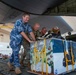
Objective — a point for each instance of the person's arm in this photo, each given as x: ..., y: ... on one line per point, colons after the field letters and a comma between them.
x: 33, y: 36
x: 30, y: 31
x: 20, y: 29
x: 25, y: 36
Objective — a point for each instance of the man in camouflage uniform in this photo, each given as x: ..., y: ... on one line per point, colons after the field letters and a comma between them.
x: 26, y: 45
x: 36, y: 31
x: 18, y: 32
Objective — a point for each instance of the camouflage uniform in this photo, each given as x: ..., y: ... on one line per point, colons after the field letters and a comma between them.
x: 26, y: 46
x: 37, y: 34
x: 16, y: 40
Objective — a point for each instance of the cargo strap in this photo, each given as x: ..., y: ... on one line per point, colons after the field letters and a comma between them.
x: 41, y: 54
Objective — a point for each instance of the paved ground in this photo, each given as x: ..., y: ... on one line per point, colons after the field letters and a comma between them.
x: 5, y: 71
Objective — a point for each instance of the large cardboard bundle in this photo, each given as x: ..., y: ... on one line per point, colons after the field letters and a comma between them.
x: 52, y: 56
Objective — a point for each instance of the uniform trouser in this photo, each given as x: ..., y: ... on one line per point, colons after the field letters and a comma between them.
x: 26, y: 47
x: 15, y: 56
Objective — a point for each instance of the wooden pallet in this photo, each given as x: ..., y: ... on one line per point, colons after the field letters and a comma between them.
x: 38, y: 73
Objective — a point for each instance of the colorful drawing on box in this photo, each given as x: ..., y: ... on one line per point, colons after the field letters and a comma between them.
x: 42, y: 59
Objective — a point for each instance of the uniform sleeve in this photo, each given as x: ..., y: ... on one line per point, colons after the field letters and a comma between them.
x: 19, y: 26
x: 38, y: 34
x: 29, y: 29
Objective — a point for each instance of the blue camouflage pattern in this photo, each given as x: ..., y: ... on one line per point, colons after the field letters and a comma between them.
x: 16, y: 40
x: 15, y: 57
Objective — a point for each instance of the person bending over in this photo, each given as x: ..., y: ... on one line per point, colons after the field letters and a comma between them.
x: 17, y: 34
